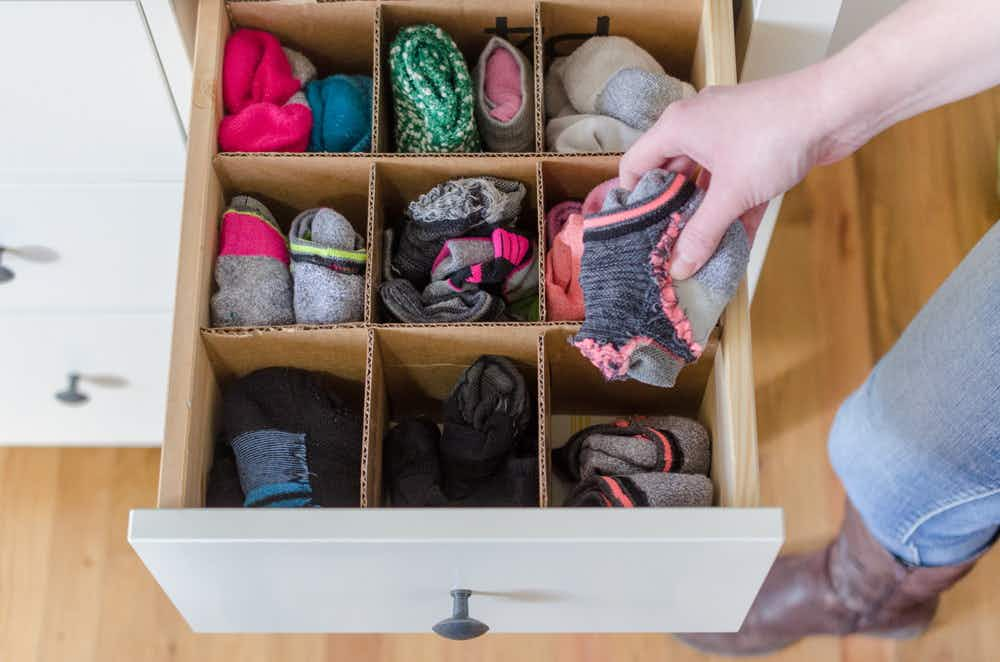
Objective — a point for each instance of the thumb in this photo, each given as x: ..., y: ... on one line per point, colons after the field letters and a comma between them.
x: 650, y: 151
x: 702, y: 234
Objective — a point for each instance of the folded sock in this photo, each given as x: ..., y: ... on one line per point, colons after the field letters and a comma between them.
x: 593, y: 63
x: 556, y: 218
x: 268, y: 127
x: 486, y: 413
x: 412, y: 465
x: 432, y: 93
x: 637, y: 323
x: 223, y: 489
x: 453, y: 209
x: 638, y: 97
x: 674, y: 445
x: 438, y: 303
x: 514, y: 484
x: 505, y: 259
x: 328, y: 267
x: 296, y: 443
x: 505, y: 108
x: 563, y: 293
x: 557, y: 103
x: 251, y: 270
x: 342, y: 114
x: 589, y: 133
x: 655, y: 490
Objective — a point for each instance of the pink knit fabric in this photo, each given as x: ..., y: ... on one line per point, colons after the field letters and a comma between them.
x: 563, y: 294
x: 254, y: 69
x: 248, y: 234
x: 595, y: 199
x: 502, y: 84
x: 266, y: 127
x: 556, y: 218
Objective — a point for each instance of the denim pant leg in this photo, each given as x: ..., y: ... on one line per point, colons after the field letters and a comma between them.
x: 918, y: 445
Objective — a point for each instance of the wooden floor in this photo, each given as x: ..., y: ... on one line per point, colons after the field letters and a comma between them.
x: 859, y: 247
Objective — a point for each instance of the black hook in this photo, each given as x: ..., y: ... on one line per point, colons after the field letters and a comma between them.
x: 602, y: 29
x: 503, y: 30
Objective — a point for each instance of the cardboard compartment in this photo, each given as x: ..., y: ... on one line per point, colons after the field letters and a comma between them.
x: 414, y: 368
x: 307, y: 27
x: 290, y: 186
x: 341, y: 355
x: 467, y: 22
x: 399, y: 181
x: 569, y: 178
x: 670, y: 30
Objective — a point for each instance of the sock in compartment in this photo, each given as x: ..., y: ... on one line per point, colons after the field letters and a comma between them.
x: 515, y: 484
x: 223, y: 489
x: 251, y: 270
x: 412, y: 464
x: 639, y: 324
x: 296, y: 443
x: 505, y: 259
x: 563, y: 293
x: 638, y: 97
x: 656, y: 490
x: 487, y: 412
x: 438, y: 303
x: 505, y: 101
x: 432, y: 93
x: 328, y: 266
x: 458, y: 207
x: 588, y: 69
x: 661, y: 445
x: 342, y: 113
x: 583, y: 132
x: 556, y: 217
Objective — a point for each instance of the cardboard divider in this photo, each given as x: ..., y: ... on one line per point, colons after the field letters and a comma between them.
x: 667, y: 29
x: 575, y: 395
x: 399, y: 181
x: 307, y: 28
x: 414, y: 368
x: 569, y: 177
x: 467, y: 23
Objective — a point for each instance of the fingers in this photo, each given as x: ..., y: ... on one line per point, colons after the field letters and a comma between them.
x: 702, y: 234
x: 651, y: 150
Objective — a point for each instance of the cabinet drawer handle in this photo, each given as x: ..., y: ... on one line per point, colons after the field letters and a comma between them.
x: 31, y: 253
x: 460, y: 626
x: 72, y: 395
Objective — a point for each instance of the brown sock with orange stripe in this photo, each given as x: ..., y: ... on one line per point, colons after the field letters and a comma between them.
x: 656, y: 490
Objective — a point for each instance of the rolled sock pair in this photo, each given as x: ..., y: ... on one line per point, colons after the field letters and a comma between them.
x: 438, y: 303
x: 589, y: 133
x: 432, y: 93
x: 563, y: 294
x: 505, y: 103
x: 505, y: 259
x: 639, y: 324
x: 262, y: 93
x: 412, y: 464
x: 556, y: 218
x: 342, y: 113
x: 452, y: 209
x: 295, y: 441
x: 328, y: 267
x: 664, y: 444
x: 648, y: 490
x: 251, y: 270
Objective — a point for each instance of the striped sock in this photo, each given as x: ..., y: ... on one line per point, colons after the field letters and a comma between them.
x: 273, y: 469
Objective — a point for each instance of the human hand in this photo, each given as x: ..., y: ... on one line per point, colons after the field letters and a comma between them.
x: 753, y: 142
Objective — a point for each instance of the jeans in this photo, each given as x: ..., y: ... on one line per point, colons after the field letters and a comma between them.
x: 917, y: 447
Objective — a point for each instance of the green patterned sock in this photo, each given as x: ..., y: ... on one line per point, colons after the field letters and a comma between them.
x: 432, y: 93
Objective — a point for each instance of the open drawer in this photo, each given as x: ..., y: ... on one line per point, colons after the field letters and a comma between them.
x: 376, y: 568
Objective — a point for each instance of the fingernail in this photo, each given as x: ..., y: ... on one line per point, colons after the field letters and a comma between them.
x: 681, y: 268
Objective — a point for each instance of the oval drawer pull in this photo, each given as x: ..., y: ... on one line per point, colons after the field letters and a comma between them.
x: 460, y: 626
x: 39, y: 254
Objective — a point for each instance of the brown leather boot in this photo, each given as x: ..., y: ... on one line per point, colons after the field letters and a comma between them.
x: 852, y: 586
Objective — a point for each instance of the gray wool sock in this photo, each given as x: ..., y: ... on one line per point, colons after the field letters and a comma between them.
x: 648, y: 490
x: 251, y: 270
x: 504, y: 263
x: 453, y: 209
x: 638, y: 97
x: 303, y: 70
x: 518, y: 133
x: 438, y: 303
x: 328, y: 267
x: 691, y: 437
x: 638, y: 324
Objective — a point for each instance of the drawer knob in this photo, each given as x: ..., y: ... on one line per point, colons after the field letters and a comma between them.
x: 30, y: 253
x: 460, y: 626
x: 72, y: 395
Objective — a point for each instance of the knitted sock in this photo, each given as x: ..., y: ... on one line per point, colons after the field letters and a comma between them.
x: 588, y: 69
x: 505, y: 101
x: 637, y: 324
x: 453, y: 209
x: 412, y: 466
x: 255, y: 288
x: 625, y: 449
x: 296, y: 443
x: 438, y: 303
x: 563, y: 294
x: 557, y: 103
x: 556, y: 218
x: 589, y: 133
x: 657, y: 490
x: 267, y: 127
x: 328, y: 267
x: 515, y: 484
x: 303, y: 70
x: 255, y: 69
x: 342, y: 114
x: 432, y: 93
x: 638, y: 97
x: 223, y: 489
x: 504, y: 259
x: 484, y: 416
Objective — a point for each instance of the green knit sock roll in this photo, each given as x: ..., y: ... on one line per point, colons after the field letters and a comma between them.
x: 432, y: 93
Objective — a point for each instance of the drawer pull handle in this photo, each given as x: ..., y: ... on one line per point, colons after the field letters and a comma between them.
x: 72, y: 395
x: 460, y: 626
x: 30, y: 253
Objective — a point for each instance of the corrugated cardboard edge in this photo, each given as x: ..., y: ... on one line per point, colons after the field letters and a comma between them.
x: 375, y: 249
x: 543, y: 245
x: 539, y: 66
x: 543, y: 413
x: 367, y: 426
x: 377, y: 119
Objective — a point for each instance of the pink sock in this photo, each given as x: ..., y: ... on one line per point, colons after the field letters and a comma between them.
x: 563, y: 294
x: 556, y: 218
x: 267, y: 127
x: 503, y: 84
x: 254, y: 69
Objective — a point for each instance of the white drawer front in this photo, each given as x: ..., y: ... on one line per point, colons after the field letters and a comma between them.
x: 530, y: 570
x: 123, y: 361
x: 112, y: 247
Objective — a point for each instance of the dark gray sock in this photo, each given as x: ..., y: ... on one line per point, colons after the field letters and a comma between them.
x: 649, y: 490
x: 438, y: 303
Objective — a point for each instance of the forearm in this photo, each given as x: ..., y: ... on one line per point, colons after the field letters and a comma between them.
x: 925, y: 54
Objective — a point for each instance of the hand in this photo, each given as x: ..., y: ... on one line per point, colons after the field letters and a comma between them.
x: 753, y: 142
